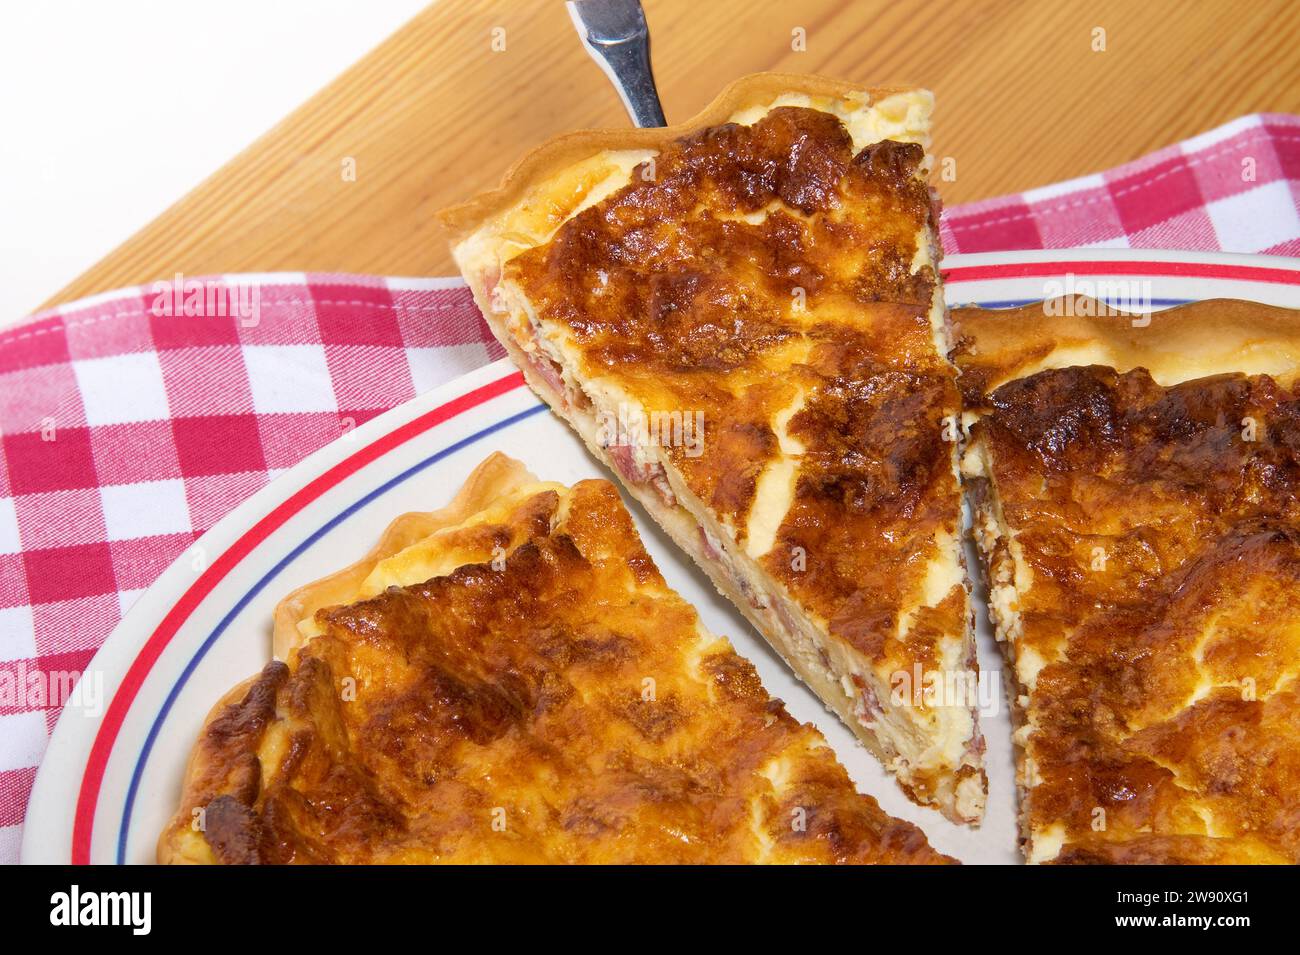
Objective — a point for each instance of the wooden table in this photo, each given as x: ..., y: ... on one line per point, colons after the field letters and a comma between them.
x: 434, y: 114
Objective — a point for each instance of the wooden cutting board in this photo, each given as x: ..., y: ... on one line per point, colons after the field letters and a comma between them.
x: 436, y: 113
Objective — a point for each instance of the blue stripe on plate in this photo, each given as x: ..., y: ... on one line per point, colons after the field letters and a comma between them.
x: 1017, y: 302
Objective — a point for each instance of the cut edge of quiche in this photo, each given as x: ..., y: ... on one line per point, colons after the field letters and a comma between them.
x: 1172, y: 741
x: 586, y: 767
x: 935, y: 751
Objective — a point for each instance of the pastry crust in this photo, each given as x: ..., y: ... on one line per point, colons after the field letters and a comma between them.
x: 557, y: 155
x: 1135, y: 492
x: 1176, y: 344
x: 769, y: 271
x: 180, y: 843
x: 546, y: 698
x: 497, y: 477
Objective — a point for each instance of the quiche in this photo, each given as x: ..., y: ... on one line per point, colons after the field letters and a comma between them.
x: 742, y: 318
x: 510, y: 680
x: 1135, y: 481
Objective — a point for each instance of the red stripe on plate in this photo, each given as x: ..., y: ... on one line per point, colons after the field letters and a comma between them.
x: 1198, y: 270
x: 92, y: 779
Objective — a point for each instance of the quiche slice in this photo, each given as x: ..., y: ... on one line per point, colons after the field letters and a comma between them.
x: 511, y: 681
x: 1136, y: 497
x: 742, y: 317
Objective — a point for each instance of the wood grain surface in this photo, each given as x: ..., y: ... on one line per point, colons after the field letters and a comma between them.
x: 435, y: 114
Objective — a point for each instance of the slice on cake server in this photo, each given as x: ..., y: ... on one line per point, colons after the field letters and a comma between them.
x: 742, y: 317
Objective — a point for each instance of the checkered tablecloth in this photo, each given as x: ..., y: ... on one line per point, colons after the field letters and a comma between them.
x: 130, y: 423
x: 1233, y: 189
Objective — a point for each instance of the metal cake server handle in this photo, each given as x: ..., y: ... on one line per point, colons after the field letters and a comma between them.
x: 615, y: 34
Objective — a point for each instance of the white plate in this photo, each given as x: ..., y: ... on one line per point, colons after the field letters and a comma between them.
x: 111, y: 779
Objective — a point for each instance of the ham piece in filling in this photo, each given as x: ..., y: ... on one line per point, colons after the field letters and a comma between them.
x: 641, y: 473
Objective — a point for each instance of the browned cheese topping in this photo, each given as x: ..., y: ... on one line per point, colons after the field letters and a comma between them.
x: 762, y: 276
x: 1161, y: 527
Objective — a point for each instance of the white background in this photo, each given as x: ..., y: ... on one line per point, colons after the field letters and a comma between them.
x: 111, y: 111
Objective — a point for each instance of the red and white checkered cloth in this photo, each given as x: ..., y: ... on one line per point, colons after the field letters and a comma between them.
x: 125, y: 434
x: 1233, y: 189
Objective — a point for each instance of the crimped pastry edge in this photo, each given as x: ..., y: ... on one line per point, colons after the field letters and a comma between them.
x: 554, y: 155
x: 495, y: 477
x: 1212, y: 336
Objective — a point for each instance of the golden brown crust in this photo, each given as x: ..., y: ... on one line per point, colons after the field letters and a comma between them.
x: 205, y: 770
x: 994, y: 346
x: 494, y: 478
x: 1153, y: 626
x: 556, y: 154
x: 562, y: 705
